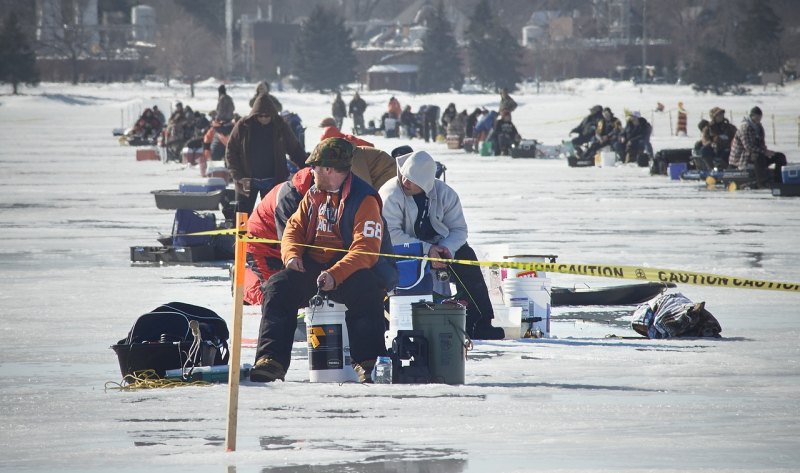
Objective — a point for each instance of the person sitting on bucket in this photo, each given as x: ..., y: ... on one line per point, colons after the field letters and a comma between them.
x: 586, y: 129
x: 340, y: 212
x: 717, y: 138
x: 607, y: 133
x: 268, y: 219
x: 635, y: 138
x: 420, y: 208
x: 749, y: 150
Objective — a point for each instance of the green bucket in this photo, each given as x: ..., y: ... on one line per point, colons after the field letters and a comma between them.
x: 444, y: 327
x: 486, y: 148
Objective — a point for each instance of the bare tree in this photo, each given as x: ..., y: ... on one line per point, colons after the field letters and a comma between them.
x: 72, y: 40
x: 186, y: 49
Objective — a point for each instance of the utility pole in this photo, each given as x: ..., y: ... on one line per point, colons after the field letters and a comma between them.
x: 228, y: 38
x: 644, y: 40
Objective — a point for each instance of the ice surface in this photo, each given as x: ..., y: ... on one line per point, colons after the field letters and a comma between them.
x: 73, y: 201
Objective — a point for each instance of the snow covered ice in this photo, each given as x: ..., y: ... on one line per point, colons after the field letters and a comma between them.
x: 73, y: 201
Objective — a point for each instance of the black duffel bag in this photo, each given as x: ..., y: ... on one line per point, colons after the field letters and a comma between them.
x: 162, y: 340
x: 665, y: 157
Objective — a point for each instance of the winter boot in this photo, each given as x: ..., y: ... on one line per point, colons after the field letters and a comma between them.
x: 364, y: 371
x: 481, y: 329
x: 487, y: 332
x: 267, y: 370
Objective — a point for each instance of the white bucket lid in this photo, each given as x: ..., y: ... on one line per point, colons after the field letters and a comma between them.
x: 410, y: 299
x: 529, y: 258
x: 208, y: 181
x: 526, y: 282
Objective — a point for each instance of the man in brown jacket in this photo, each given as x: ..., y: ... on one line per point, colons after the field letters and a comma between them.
x: 256, y: 153
x: 717, y: 138
x: 373, y: 166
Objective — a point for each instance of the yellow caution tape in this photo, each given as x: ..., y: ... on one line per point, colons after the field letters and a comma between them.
x: 639, y: 273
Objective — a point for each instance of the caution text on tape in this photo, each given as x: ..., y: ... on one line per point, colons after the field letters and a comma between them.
x: 640, y: 273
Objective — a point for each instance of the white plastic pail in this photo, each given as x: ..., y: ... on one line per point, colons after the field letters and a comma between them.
x: 400, y: 314
x: 533, y: 293
x: 516, y: 273
x: 605, y: 159
x: 328, y: 344
x: 509, y: 319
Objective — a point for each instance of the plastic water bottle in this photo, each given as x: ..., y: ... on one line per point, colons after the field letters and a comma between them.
x: 383, y: 370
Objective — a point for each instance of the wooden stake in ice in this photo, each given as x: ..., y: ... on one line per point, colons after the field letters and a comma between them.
x: 236, y: 335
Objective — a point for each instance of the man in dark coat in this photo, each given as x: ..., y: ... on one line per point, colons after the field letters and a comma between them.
x: 586, y: 128
x: 472, y: 120
x: 256, y: 152
x: 504, y: 134
x: 635, y: 138
x: 225, y: 106
x: 338, y: 110
x: 357, y: 108
x: 430, y: 118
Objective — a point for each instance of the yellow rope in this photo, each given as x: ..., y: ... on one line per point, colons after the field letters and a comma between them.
x: 148, y: 379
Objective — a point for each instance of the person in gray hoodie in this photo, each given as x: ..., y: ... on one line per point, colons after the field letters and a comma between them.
x: 418, y: 207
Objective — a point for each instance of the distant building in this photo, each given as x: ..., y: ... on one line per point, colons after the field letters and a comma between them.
x: 393, y: 76
x: 266, y: 53
x: 143, y: 20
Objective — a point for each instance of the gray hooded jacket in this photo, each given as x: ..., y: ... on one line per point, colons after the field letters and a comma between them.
x: 400, y: 210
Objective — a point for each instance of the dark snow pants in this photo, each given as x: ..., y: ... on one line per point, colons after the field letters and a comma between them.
x: 246, y: 203
x: 762, y: 172
x: 471, y: 287
x: 288, y: 290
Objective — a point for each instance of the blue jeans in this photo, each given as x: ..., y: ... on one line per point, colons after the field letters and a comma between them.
x: 260, y: 186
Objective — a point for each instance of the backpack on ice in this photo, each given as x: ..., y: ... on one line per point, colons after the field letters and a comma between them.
x: 674, y: 315
x: 162, y: 340
x: 189, y: 221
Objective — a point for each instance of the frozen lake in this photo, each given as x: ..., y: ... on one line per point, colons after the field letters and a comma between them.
x: 73, y: 201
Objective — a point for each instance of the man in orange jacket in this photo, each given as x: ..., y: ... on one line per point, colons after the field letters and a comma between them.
x: 340, y: 211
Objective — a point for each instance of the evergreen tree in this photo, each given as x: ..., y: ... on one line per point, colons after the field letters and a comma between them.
x: 714, y: 71
x: 440, y: 66
x: 494, y: 53
x: 758, y: 39
x: 324, y: 57
x: 17, y: 59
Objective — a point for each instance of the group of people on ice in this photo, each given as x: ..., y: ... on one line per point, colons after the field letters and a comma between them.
x: 430, y: 123
x: 601, y: 128
x: 722, y: 145
x: 344, y: 195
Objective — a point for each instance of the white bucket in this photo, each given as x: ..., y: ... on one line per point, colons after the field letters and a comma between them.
x: 532, y: 295
x: 605, y: 159
x: 400, y: 314
x: 328, y: 344
x: 509, y: 319
x: 516, y: 273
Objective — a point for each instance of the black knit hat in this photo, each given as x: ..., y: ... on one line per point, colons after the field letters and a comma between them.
x: 756, y: 111
x: 401, y: 150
